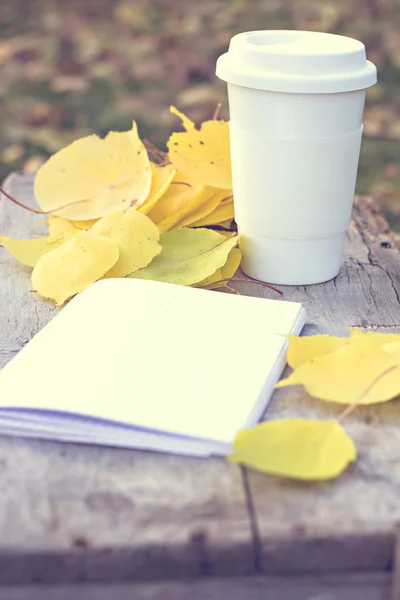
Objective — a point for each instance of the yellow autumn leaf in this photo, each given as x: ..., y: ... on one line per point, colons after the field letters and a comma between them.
x: 375, y: 336
x: 359, y: 372
x: 27, y: 251
x: 232, y: 264
x: 136, y: 236
x: 223, y: 212
x: 188, y: 256
x: 207, y: 206
x: 307, y: 348
x: 213, y: 281
x: 203, y: 155
x: 227, y: 233
x: 61, y: 229
x: 179, y: 199
x: 393, y: 348
x: 75, y: 265
x: 227, y: 271
x: 95, y: 176
x: 297, y: 448
x: 84, y: 224
x: 161, y: 179
x: 229, y: 226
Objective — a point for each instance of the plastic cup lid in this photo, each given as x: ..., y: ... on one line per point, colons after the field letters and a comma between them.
x: 297, y: 62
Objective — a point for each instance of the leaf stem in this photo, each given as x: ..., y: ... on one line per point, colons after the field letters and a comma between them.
x: 48, y: 212
x: 231, y: 289
x: 349, y: 409
x: 241, y: 279
x: 217, y: 111
x: 154, y: 151
x: 34, y: 210
x: 181, y: 183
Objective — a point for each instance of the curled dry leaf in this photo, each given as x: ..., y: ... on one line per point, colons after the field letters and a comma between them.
x: 296, y: 448
x: 106, y: 187
x: 208, y: 201
x: 161, y: 179
x: 227, y: 271
x: 179, y: 199
x: 223, y: 212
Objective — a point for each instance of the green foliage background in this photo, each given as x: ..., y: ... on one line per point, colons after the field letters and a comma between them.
x: 69, y: 67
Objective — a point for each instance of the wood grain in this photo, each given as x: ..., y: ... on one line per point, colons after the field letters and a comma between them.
x: 347, y: 524
x: 76, y: 514
x: 370, y: 586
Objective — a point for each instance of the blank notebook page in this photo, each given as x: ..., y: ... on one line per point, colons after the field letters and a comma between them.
x: 157, y: 356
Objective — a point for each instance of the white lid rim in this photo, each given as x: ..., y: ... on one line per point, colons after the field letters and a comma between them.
x: 300, y: 84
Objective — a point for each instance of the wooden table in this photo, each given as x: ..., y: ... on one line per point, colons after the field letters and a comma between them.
x: 97, y: 523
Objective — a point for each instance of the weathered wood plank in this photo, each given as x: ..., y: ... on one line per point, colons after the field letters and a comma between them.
x: 21, y: 316
x: 395, y: 595
x: 370, y: 586
x: 76, y: 513
x: 349, y: 523
x: 366, y: 292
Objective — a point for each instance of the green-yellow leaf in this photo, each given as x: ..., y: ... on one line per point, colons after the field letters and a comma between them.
x: 188, y: 256
x: 296, y: 448
x: 227, y: 271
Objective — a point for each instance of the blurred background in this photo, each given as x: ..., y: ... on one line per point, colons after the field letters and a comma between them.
x: 77, y: 66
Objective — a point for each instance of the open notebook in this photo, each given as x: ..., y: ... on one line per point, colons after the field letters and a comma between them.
x: 144, y: 364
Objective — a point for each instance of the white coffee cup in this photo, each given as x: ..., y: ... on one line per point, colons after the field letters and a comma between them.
x: 296, y: 100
